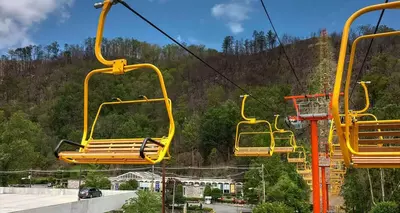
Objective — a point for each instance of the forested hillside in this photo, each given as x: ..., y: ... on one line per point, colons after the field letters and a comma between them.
x: 41, y: 92
x: 43, y: 85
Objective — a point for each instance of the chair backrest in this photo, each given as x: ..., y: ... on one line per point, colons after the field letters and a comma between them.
x: 267, y: 130
x: 344, y: 135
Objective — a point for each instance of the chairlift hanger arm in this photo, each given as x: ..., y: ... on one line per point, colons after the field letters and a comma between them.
x: 364, y: 86
x: 330, y: 137
x: 276, y: 124
x: 242, y: 109
x: 279, y: 129
x: 118, y: 64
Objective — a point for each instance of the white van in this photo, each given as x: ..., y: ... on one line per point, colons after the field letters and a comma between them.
x: 207, y: 199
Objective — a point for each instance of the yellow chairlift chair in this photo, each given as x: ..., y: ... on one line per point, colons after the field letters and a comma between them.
x: 149, y: 150
x: 243, y: 151
x: 298, y: 156
x: 285, y: 141
x: 333, y: 141
x: 307, y: 176
x: 354, y: 132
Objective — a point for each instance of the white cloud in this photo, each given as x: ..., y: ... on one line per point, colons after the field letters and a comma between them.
x: 235, y: 27
x: 179, y: 38
x: 189, y: 40
x: 233, y: 13
x: 193, y: 40
x: 19, y: 17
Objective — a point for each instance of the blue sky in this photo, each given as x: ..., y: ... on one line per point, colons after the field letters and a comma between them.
x: 206, y: 22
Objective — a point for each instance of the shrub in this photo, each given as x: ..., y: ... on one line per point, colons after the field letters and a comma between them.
x: 129, y: 185
x: 385, y: 207
x: 146, y: 202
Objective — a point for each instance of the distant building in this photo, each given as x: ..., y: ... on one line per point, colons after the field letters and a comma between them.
x: 74, y: 184
x: 192, y: 187
x: 146, y: 180
x: 193, y: 191
x: 195, y: 187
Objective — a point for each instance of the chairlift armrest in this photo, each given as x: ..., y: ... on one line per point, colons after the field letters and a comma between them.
x: 57, y: 149
x: 144, y: 145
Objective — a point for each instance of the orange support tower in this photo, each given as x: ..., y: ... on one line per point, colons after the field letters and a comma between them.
x: 313, y: 108
x: 325, y: 195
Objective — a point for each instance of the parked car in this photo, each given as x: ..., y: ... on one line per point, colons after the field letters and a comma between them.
x: 239, y: 201
x: 89, y: 193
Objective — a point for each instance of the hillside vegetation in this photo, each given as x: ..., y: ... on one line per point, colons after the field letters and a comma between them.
x: 41, y: 94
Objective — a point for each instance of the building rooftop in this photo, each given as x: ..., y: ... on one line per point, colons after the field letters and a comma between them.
x: 146, y: 176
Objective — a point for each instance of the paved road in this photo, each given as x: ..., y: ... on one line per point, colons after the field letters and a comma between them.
x: 226, y: 208
x: 19, y: 202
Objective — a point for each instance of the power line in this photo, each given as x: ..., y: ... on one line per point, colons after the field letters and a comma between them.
x: 283, y: 48
x: 190, y: 52
x: 369, y: 48
x: 130, y: 169
x: 206, y: 177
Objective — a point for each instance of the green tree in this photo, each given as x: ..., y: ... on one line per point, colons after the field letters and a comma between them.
x: 282, y: 183
x: 227, y: 45
x: 216, y: 193
x: 190, y: 133
x: 356, y: 191
x: 289, y: 193
x: 97, y: 180
x: 215, y: 95
x: 145, y: 202
x: 225, y: 118
x: 385, y: 207
x: 129, y: 185
x: 271, y: 39
x: 274, y: 207
x: 207, y: 191
x: 23, y: 145
x: 179, y: 198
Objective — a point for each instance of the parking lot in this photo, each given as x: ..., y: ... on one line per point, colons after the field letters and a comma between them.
x: 227, y: 208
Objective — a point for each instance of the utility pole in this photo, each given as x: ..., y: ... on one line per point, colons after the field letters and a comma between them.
x: 80, y: 179
x: 30, y: 178
x: 262, y: 176
x: 163, y: 186
x: 382, y: 186
x: 152, y: 178
x: 62, y: 178
x: 173, y: 197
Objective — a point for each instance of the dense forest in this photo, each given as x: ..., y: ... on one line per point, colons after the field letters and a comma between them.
x: 41, y: 97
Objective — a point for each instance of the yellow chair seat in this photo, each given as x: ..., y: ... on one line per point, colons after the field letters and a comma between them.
x: 283, y: 149
x: 253, y: 152
x: 376, y: 162
x: 117, y: 151
x: 296, y: 160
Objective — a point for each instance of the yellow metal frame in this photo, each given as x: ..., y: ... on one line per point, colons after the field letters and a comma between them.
x: 252, y: 121
x: 350, y: 145
x: 330, y: 139
x: 119, y: 67
x: 336, y: 165
x: 282, y: 135
x: 304, y: 170
x: 346, y: 136
x: 301, y: 155
x: 355, y: 114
